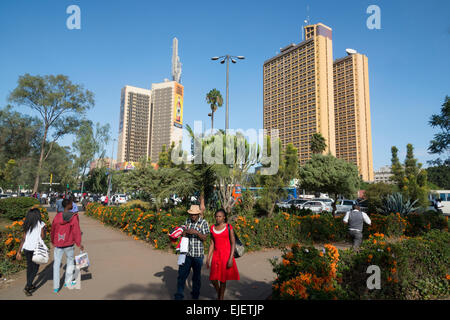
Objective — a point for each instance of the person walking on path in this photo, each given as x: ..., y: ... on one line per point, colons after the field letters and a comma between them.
x: 74, y: 205
x: 196, y: 230
x: 355, y: 220
x: 34, y: 229
x: 221, y: 254
x: 65, y: 233
x: 59, y: 206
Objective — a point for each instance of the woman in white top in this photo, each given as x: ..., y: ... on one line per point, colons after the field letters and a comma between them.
x: 33, y: 230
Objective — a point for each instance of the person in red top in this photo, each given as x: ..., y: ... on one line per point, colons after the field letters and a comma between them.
x: 65, y: 233
x: 221, y: 254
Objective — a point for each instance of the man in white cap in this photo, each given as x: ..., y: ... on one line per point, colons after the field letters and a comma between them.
x: 197, y: 230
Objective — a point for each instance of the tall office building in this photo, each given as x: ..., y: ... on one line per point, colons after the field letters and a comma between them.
x: 134, y: 126
x: 298, y: 91
x: 167, y: 116
x: 352, y: 112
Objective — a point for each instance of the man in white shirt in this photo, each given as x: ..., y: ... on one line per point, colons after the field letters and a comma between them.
x: 355, y: 220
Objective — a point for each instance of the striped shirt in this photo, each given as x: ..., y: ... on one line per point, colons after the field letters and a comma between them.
x: 196, y: 249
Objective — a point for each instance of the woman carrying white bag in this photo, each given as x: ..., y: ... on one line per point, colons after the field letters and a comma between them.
x: 34, y: 230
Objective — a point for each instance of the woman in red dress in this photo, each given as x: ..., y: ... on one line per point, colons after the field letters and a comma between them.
x: 221, y: 254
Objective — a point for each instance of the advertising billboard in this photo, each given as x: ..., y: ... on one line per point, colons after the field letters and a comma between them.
x: 178, y: 106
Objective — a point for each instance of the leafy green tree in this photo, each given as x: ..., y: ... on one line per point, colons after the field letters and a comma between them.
x: 7, y: 179
x: 439, y: 175
x: 164, y: 158
x: 274, y: 185
x: 398, y: 174
x: 88, y: 145
x: 327, y: 174
x: 97, y: 180
x: 441, y: 140
x: 318, y: 144
x: 19, y: 134
x: 410, y: 178
x: 215, y: 100
x: 202, y: 174
x: 58, y: 101
x: 158, y: 184
x: 375, y: 193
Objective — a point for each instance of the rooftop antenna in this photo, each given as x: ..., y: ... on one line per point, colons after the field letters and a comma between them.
x: 176, y: 64
x: 306, y: 22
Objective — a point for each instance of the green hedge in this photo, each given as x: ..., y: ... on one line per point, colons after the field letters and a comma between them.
x: 414, y: 268
x: 410, y: 269
x: 16, y: 208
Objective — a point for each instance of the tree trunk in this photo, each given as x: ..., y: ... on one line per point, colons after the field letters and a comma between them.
x: 334, y: 205
x: 212, y: 121
x: 202, y: 203
x: 271, y: 211
x: 36, y: 180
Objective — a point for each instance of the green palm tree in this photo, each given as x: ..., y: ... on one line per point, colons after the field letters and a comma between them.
x: 215, y: 100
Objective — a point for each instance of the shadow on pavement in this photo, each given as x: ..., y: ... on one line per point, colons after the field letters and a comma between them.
x: 244, y: 289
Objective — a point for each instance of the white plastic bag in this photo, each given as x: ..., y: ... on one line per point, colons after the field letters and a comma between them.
x: 82, y: 260
x: 184, y: 245
x: 181, y: 259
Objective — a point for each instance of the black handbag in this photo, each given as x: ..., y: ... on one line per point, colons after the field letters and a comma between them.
x: 239, y: 249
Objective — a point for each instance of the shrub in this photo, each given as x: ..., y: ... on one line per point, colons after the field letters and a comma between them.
x: 392, y: 225
x: 396, y: 203
x: 307, y: 273
x: 414, y: 268
x: 16, y: 208
x: 137, y: 204
x: 322, y: 228
x: 420, y: 223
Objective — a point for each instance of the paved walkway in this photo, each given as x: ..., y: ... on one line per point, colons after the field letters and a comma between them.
x: 123, y: 268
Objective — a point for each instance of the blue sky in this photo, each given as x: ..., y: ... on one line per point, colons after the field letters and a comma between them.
x: 129, y: 43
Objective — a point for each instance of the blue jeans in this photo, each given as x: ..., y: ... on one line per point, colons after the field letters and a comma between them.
x: 57, y: 255
x: 183, y: 273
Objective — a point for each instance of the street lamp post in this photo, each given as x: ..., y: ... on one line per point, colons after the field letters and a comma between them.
x: 227, y: 59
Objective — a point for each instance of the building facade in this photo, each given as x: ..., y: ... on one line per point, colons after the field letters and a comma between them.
x: 102, y: 163
x: 352, y: 113
x: 298, y: 92
x: 149, y: 119
x: 384, y: 174
x: 167, y: 117
x: 134, y: 125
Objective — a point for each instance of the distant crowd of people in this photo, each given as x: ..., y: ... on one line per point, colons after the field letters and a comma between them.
x: 53, y: 198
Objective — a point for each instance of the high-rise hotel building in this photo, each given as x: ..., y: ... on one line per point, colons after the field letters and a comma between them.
x: 352, y: 112
x: 134, y: 124
x: 298, y: 91
x: 167, y: 116
x: 149, y: 119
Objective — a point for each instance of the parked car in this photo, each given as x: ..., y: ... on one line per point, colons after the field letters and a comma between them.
x: 299, y: 202
x: 120, y: 199
x: 364, y: 205
x: 293, y: 202
x: 343, y: 205
x: 4, y: 196
x: 316, y: 206
x: 327, y: 201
